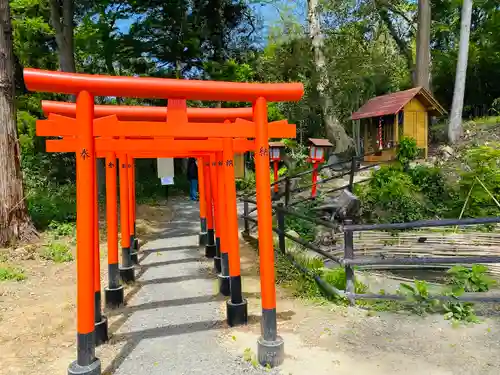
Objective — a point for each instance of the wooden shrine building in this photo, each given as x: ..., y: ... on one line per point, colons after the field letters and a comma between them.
x: 386, y: 119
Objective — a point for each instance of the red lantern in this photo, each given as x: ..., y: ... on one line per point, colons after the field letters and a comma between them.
x: 317, y: 155
x: 275, y: 157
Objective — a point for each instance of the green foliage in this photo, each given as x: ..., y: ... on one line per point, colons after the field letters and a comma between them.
x: 289, y: 276
x: 305, y: 286
x: 8, y: 273
x: 361, y: 62
x: 483, y: 168
x: 58, y: 229
x: 465, y: 279
x: 418, y: 296
x: 57, y: 252
x: 282, y: 171
x: 337, y: 278
x: 404, y: 194
x: 432, y: 185
x: 460, y: 279
x: 460, y: 312
x: 247, y: 183
x: 473, y: 279
x: 305, y: 228
x: 298, y: 153
x: 391, y: 197
x: 407, y: 151
x: 482, y: 88
x: 47, y: 204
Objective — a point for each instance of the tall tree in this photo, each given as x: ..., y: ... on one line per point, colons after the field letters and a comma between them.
x: 455, y: 127
x: 398, y: 17
x: 334, y: 129
x: 423, y: 44
x: 61, y: 17
x: 98, y: 40
x: 15, y: 223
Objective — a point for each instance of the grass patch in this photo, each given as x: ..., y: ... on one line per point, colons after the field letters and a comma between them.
x: 57, y: 252
x: 250, y: 357
x: 305, y: 286
x: 482, y: 121
x: 8, y: 273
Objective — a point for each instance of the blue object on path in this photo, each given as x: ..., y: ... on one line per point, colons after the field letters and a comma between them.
x: 193, y: 189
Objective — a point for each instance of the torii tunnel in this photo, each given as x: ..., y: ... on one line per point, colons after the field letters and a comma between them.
x: 128, y: 132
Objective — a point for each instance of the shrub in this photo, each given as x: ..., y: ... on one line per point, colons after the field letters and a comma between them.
x: 432, y: 185
x: 482, y: 171
x: 246, y: 183
x: 470, y: 279
x: 62, y: 229
x: 418, y: 297
x: 391, y: 197
x: 407, y: 151
x: 305, y: 228
x: 51, y: 203
x: 297, y: 152
x: 465, y: 279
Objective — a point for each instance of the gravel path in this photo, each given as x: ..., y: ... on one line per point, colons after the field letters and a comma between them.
x: 172, y: 324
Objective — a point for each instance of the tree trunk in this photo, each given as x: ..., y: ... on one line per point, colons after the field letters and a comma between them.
x: 61, y: 17
x: 455, y: 126
x: 423, y: 44
x: 334, y: 129
x: 62, y: 21
x: 15, y: 223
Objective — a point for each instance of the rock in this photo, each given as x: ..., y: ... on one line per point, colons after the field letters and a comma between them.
x: 333, y: 159
x: 326, y: 173
x: 446, y: 152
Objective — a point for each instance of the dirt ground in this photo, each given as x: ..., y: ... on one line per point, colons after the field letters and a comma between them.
x: 37, y: 316
x: 322, y: 338
x: 37, y: 327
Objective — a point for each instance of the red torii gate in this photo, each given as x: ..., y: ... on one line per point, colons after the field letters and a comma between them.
x: 112, y: 113
x: 86, y: 87
x: 277, y: 129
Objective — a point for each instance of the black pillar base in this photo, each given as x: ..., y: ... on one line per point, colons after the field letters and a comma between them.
x: 202, y: 239
x: 134, y: 257
x: 114, y: 297
x: 127, y: 274
x: 237, y: 313
x: 224, y: 285
x: 101, y: 331
x: 270, y: 353
x: 210, y: 251
x: 217, y: 264
x: 137, y: 245
x: 93, y: 369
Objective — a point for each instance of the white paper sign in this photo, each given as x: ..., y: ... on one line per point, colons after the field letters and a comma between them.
x: 165, y: 167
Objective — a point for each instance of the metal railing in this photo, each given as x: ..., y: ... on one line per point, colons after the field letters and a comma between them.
x: 349, y: 260
x: 344, y: 171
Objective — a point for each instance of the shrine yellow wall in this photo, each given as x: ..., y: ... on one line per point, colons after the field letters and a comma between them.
x: 416, y: 124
